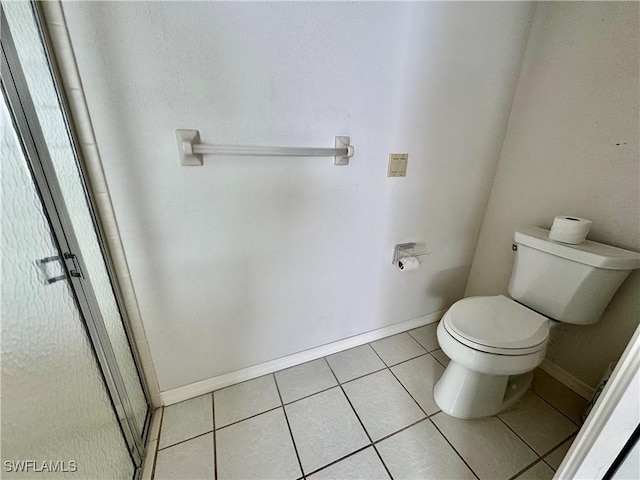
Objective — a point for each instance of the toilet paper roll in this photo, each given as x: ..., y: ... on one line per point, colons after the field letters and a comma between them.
x: 568, y: 229
x: 406, y: 264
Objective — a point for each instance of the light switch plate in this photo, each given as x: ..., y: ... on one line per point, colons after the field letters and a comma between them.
x: 398, y: 164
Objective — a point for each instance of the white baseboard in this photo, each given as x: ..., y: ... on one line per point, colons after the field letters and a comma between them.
x: 568, y: 380
x: 193, y: 390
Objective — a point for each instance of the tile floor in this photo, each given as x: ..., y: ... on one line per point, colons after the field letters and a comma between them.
x: 365, y: 413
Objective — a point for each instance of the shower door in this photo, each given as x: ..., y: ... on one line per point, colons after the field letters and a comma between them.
x: 72, y: 401
x: 55, y: 406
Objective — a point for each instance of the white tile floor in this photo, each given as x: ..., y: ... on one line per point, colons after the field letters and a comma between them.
x: 365, y: 413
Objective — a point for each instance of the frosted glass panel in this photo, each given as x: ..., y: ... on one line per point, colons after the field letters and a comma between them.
x: 55, y: 407
x: 43, y: 93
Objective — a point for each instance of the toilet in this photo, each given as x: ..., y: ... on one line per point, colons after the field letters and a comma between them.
x: 496, y: 342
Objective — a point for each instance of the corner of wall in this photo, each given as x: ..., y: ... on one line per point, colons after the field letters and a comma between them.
x: 512, y: 96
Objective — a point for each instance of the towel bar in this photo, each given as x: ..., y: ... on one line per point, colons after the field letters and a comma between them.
x: 191, y: 150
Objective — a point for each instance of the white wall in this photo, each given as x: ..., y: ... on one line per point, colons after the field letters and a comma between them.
x: 572, y: 148
x: 245, y: 260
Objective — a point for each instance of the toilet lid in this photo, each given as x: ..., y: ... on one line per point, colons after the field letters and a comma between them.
x: 497, y: 322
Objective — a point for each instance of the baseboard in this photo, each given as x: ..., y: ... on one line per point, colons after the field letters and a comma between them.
x: 192, y: 390
x: 568, y: 380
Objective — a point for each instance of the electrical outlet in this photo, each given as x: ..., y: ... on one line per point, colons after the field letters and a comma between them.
x: 398, y: 164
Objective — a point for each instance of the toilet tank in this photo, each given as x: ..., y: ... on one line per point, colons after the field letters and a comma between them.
x: 568, y: 283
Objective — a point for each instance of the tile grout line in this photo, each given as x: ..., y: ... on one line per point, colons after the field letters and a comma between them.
x: 215, y: 442
x: 436, y: 359
x: 248, y: 418
x: 420, y: 343
x: 412, y: 397
x: 517, y: 434
x: 553, y: 406
x: 325, y: 389
x: 407, y: 390
x: 293, y: 440
x: 359, y: 419
x: 397, y: 335
x: 338, y: 460
x: 401, y: 384
x: 338, y: 383
x: 574, y: 434
x: 527, y: 443
x: 526, y: 469
x: 451, y: 445
x: 359, y: 376
x: 350, y: 404
x: 570, y: 437
x: 404, y: 361
x: 375, y: 448
x: 382, y: 439
x: 185, y: 440
x: 311, y: 395
x: 427, y: 416
x: 540, y: 457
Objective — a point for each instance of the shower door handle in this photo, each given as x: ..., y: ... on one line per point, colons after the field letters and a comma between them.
x: 77, y: 271
x: 42, y: 265
x: 48, y: 279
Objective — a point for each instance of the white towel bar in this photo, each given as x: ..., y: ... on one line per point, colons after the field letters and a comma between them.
x: 191, y: 150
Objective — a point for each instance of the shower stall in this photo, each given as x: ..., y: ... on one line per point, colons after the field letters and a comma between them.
x: 73, y: 400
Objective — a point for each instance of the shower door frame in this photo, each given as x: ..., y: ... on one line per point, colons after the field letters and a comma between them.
x: 18, y: 96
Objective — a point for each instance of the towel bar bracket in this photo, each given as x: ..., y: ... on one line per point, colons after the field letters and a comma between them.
x: 343, y: 142
x: 186, y: 139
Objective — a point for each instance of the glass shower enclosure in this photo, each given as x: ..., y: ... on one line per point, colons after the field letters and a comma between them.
x: 72, y: 400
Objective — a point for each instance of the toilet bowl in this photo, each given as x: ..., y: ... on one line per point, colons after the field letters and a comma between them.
x: 494, y: 344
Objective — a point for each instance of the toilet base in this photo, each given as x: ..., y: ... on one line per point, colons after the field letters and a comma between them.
x: 464, y: 393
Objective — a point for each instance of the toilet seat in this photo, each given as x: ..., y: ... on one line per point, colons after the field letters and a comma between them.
x: 497, y: 325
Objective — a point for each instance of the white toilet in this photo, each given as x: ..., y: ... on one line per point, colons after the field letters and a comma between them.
x: 495, y: 343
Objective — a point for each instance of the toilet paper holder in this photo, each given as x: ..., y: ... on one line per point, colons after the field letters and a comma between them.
x: 407, y: 250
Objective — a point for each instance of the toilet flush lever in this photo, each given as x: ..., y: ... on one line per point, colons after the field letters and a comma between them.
x: 514, y: 247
